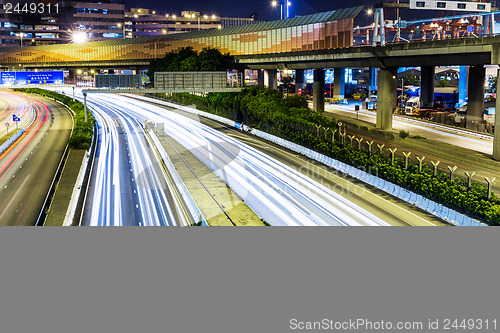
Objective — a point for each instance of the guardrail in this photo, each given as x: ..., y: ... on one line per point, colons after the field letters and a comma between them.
x: 188, y: 199
x: 438, y: 210
x: 10, y: 141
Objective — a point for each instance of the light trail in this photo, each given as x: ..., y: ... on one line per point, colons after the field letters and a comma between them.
x: 11, y: 155
x: 124, y: 160
x: 276, y: 192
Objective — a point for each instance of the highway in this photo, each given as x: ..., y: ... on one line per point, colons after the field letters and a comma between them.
x: 434, y: 131
x: 281, y: 187
x: 28, y: 167
x: 480, y: 144
x: 11, y: 104
x: 128, y: 185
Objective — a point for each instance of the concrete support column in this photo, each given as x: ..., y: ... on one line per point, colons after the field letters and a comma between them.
x: 338, y: 83
x: 385, y: 98
x: 260, y: 77
x: 496, y: 140
x: 462, y: 85
x: 475, y: 104
x: 427, y: 86
x: 271, y: 78
x: 319, y: 90
x: 299, y: 80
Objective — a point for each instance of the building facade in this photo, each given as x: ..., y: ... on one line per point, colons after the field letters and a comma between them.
x: 328, y: 30
x: 58, y: 21
x: 141, y: 22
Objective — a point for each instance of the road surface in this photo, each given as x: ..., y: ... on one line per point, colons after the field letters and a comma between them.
x: 128, y: 185
x: 28, y: 167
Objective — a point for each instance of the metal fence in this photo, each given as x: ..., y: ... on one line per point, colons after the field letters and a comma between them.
x: 197, y: 80
x: 118, y: 81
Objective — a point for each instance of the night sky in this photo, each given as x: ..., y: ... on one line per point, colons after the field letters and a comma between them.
x: 244, y: 8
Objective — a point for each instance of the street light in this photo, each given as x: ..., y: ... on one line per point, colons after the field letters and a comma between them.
x: 119, y: 26
x: 21, y: 35
x: 281, y: 3
x: 79, y: 37
x: 275, y: 4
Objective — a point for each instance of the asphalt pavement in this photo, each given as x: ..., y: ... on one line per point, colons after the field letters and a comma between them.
x: 31, y: 164
x: 387, y: 208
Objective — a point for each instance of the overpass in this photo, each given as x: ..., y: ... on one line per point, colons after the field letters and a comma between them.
x: 317, y: 41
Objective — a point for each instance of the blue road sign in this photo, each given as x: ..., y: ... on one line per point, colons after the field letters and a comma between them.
x: 470, y: 28
x: 400, y: 24
x: 15, y: 118
x: 31, y: 77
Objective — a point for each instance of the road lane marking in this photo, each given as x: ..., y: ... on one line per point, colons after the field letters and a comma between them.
x: 14, y: 197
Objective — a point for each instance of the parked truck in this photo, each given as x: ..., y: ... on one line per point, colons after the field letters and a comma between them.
x: 412, y: 106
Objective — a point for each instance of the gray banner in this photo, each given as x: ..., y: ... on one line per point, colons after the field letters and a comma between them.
x: 248, y: 279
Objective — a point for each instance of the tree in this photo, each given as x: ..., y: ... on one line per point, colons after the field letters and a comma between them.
x: 493, y: 83
x: 287, y: 80
x: 443, y: 83
x: 410, y: 80
x: 187, y: 59
x: 213, y: 60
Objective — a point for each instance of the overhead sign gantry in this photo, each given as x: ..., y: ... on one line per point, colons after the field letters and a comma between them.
x: 379, y: 21
x: 466, y: 6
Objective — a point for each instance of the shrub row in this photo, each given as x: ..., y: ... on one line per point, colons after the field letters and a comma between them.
x: 81, y: 137
x: 289, y: 118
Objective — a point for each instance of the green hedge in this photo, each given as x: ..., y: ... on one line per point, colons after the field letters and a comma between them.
x: 83, y: 131
x: 268, y: 110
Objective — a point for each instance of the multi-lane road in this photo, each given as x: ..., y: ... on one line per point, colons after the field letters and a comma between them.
x: 28, y: 167
x: 130, y: 187
x: 130, y: 184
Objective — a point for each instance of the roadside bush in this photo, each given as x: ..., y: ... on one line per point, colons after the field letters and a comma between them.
x: 267, y: 110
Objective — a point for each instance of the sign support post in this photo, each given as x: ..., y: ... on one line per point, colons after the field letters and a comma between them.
x: 85, y: 105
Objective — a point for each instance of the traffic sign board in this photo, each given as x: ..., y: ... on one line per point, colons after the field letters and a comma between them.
x: 7, y: 124
x: 15, y: 118
x: 400, y: 24
x: 470, y: 28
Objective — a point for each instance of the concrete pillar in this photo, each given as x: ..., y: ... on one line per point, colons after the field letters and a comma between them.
x: 299, y: 80
x: 260, y: 77
x: 319, y: 90
x: 475, y: 104
x: 385, y: 97
x: 427, y: 86
x: 496, y: 140
x: 271, y: 78
x: 462, y: 85
x: 338, y: 83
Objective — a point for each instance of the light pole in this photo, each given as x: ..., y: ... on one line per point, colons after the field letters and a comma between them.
x: 275, y: 4
x: 21, y: 35
x: 119, y: 26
